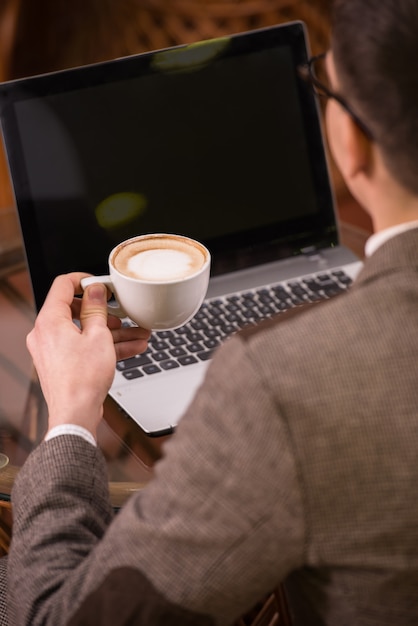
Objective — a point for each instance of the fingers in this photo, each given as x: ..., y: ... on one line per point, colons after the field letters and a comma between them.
x: 55, y: 310
x: 60, y: 298
x: 92, y: 312
x: 130, y: 341
x: 130, y: 333
x: 70, y: 282
x: 94, y: 306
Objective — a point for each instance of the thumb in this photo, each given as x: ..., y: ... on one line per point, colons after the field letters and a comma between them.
x: 94, y: 306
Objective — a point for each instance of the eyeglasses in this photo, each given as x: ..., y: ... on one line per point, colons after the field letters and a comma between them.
x: 316, y: 67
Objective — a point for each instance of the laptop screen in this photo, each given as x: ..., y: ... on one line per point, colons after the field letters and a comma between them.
x: 219, y: 141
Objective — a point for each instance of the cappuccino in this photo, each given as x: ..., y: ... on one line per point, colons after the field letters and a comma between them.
x: 159, y: 280
x: 159, y: 258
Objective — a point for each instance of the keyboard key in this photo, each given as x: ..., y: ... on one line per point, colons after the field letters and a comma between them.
x: 298, y: 291
x: 266, y: 298
x: 297, y: 300
x: 342, y: 278
x: 164, y: 334
x: 187, y: 360
x: 159, y: 345
x: 234, y: 317
x: 160, y: 356
x: 266, y: 310
x: 201, y: 314
x: 177, y: 341
x: 136, y: 361
x: 133, y: 374
x: 197, y: 324
x: 216, y: 321
x: 193, y: 337
x: 228, y: 329
x: 215, y: 311
x: 345, y: 280
x: 169, y: 365
x: 176, y: 352
x: 281, y: 293
x: 151, y: 369
x: 312, y: 284
x: 250, y: 303
x: 195, y: 347
x: 212, y: 332
x: 212, y: 343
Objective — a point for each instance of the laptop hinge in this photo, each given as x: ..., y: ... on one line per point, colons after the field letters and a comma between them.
x: 312, y: 253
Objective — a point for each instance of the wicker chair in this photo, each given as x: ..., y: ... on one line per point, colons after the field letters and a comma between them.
x: 163, y: 23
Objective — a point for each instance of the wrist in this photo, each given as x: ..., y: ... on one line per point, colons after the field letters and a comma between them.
x: 77, y: 416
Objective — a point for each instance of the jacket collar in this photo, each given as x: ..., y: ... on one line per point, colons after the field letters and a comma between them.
x: 396, y: 254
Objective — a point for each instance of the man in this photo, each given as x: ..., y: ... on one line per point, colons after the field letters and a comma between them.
x: 297, y: 466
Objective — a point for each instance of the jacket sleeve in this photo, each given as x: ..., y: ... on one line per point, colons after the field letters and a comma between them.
x: 220, y: 524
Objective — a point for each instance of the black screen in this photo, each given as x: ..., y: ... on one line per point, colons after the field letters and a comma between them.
x: 219, y: 141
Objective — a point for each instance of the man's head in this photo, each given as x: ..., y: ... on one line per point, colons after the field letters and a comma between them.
x: 375, y: 54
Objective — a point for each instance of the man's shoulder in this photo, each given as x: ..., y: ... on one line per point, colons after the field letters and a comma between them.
x: 300, y: 315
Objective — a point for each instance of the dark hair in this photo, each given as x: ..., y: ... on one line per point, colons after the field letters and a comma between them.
x: 375, y: 49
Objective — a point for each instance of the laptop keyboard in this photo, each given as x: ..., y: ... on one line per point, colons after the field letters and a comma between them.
x: 219, y: 318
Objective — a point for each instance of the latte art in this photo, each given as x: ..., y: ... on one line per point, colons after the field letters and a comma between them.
x: 161, y: 265
x: 159, y: 259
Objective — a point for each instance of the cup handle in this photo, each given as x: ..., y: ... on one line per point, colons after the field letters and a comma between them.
x: 113, y: 308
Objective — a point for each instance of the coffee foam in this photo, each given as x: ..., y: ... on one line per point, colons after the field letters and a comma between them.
x: 159, y: 259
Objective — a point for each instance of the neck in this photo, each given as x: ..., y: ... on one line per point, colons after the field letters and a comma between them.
x: 386, y: 201
x: 390, y: 207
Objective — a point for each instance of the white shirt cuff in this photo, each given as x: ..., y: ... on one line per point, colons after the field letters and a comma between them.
x: 71, y: 429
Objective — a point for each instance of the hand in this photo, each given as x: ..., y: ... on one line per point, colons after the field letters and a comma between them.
x: 76, y: 365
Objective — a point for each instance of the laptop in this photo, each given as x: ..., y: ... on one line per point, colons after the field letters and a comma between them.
x: 220, y: 141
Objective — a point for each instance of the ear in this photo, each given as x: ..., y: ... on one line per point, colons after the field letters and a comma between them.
x: 351, y: 149
x: 348, y: 144
x: 358, y: 153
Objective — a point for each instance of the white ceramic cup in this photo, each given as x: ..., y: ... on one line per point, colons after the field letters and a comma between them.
x: 158, y: 280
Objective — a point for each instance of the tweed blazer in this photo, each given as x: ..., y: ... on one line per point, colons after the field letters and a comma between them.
x: 296, y: 462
